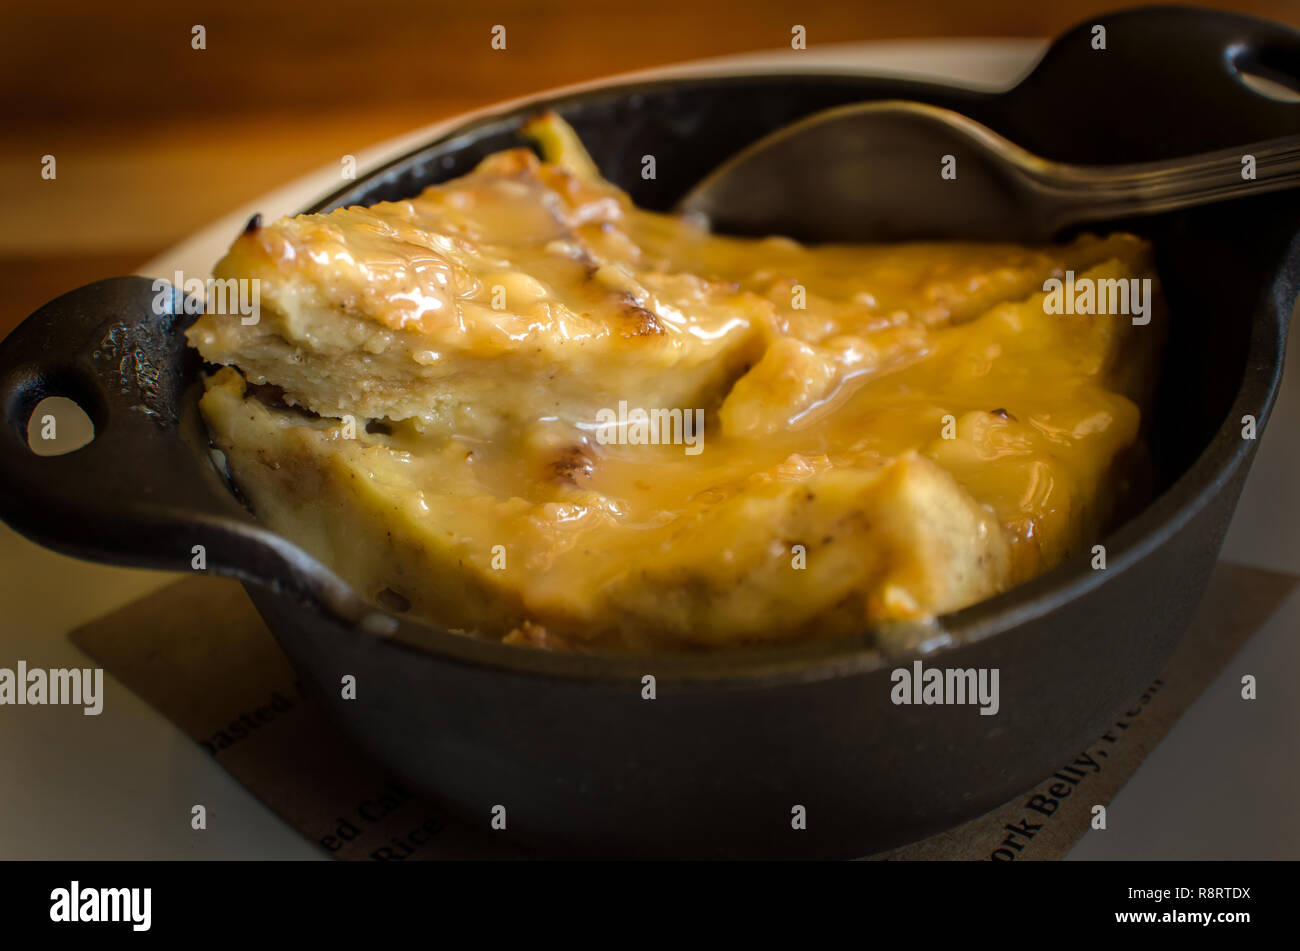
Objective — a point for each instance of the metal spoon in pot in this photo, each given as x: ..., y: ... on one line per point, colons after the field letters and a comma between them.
x: 894, y: 170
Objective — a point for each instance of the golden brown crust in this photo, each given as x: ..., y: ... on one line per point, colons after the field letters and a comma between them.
x: 887, y: 432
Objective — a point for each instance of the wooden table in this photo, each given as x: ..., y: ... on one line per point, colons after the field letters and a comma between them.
x: 154, y: 138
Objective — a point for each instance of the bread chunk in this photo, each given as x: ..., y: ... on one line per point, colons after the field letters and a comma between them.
x: 518, y: 406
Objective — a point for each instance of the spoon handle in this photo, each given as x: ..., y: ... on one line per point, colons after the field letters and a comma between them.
x: 1095, y: 193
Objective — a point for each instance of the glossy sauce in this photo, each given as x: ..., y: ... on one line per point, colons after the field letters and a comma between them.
x: 909, y: 414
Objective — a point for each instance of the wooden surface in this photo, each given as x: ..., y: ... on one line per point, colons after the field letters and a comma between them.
x: 153, y: 138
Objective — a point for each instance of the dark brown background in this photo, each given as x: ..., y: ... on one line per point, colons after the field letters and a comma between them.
x: 154, y: 139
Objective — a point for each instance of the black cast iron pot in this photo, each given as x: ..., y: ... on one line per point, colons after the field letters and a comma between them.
x: 715, y: 765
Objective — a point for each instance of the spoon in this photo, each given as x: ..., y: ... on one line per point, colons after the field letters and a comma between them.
x: 895, y: 170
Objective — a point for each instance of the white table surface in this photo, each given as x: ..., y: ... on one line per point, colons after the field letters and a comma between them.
x: 120, y: 785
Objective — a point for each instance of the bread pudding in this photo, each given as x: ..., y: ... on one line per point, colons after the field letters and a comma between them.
x: 518, y: 406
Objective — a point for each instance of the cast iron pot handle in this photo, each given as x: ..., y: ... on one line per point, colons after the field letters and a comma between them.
x: 1180, y: 68
x: 144, y: 492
